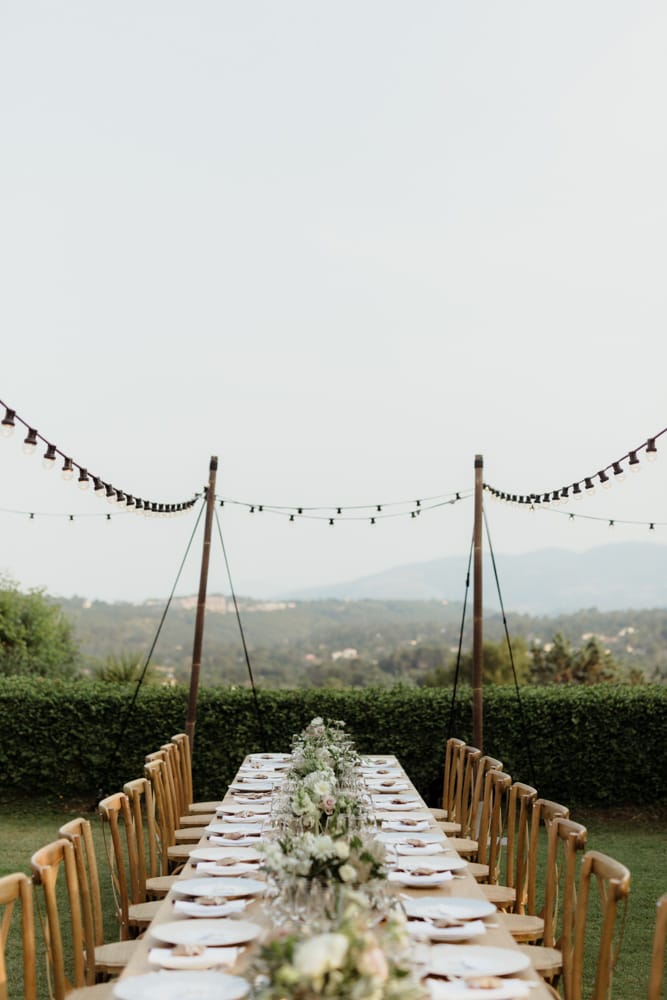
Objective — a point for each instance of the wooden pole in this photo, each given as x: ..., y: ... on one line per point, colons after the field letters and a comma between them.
x: 201, y: 605
x: 477, y: 632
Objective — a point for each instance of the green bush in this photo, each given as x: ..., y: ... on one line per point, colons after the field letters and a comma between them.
x: 586, y: 745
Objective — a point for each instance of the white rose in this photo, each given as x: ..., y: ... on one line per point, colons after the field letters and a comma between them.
x: 342, y: 850
x: 373, y: 962
x: 320, y: 954
x: 347, y: 873
x: 317, y: 721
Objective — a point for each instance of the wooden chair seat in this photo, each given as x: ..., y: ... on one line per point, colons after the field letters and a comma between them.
x: 140, y: 914
x: 111, y: 958
x: 159, y: 885
x: 463, y: 846
x: 100, y: 991
x: 478, y: 871
x: 196, y: 819
x: 203, y: 807
x: 524, y: 927
x: 449, y: 827
x: 189, y: 835
x: 547, y: 961
x: 503, y: 896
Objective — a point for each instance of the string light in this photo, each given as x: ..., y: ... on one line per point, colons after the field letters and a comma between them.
x: 634, y: 462
x: 651, y: 450
x: 30, y: 441
x: 101, y: 488
x: 8, y: 422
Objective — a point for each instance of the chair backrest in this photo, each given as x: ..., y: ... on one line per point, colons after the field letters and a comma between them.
x: 123, y: 859
x: 155, y: 772
x: 497, y: 786
x: 453, y: 750
x: 658, y: 953
x: 80, y: 834
x: 17, y: 888
x: 47, y: 864
x: 517, y: 853
x: 480, y: 766
x: 566, y: 844
x: 612, y: 881
x: 183, y: 743
x: 150, y: 858
x: 545, y: 812
x: 171, y: 778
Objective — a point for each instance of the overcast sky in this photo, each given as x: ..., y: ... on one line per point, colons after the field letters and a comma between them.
x: 344, y: 247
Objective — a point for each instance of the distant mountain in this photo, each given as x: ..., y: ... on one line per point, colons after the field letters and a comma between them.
x: 549, y: 581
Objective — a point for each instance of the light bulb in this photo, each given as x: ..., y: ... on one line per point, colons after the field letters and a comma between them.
x: 8, y: 422
x: 68, y: 469
x: 49, y: 459
x: 633, y: 462
x: 651, y: 450
x: 618, y: 472
x: 30, y: 441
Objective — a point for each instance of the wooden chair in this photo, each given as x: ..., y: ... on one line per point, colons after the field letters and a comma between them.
x: 134, y: 912
x: 491, y: 840
x: 526, y: 921
x: 17, y: 888
x: 446, y: 811
x: 658, y: 953
x: 70, y: 979
x: 107, y: 959
x: 186, y: 828
x: 515, y: 848
x: 612, y: 881
x: 153, y: 864
x: 566, y: 844
x: 472, y: 784
x: 183, y: 743
x: 173, y: 855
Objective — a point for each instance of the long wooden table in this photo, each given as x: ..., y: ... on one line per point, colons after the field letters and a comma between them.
x: 463, y: 885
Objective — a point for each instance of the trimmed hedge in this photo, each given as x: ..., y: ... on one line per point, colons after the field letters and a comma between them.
x: 581, y: 745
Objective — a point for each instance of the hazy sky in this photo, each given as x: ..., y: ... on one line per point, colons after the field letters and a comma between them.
x: 344, y: 247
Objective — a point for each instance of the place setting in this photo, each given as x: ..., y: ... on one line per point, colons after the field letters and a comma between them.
x: 178, y: 985
x: 475, y: 972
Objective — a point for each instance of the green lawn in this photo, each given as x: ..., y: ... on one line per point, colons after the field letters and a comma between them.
x: 638, y: 840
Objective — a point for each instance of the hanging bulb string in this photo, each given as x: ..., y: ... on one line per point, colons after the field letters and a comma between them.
x: 85, y: 478
x: 582, y: 487
x: 611, y: 521
x: 33, y: 514
x: 333, y: 515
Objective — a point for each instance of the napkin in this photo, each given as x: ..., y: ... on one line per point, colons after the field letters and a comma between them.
x: 511, y: 989
x: 209, y: 959
x: 415, y: 881
x: 245, y: 841
x: 213, y: 868
x: 399, y: 825
x: 193, y: 909
x: 468, y: 929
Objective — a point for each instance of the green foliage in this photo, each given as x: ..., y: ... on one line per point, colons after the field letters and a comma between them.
x: 558, y: 662
x: 35, y: 637
x: 123, y: 669
x: 588, y: 744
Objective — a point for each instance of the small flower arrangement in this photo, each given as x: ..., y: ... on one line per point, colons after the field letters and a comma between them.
x: 353, y: 861
x: 350, y: 962
x: 324, y: 744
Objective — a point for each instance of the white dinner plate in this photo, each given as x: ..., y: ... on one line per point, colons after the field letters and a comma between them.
x: 252, y: 786
x: 181, y: 986
x: 510, y: 989
x: 217, y: 886
x: 201, y: 910
x: 440, y: 863
x: 220, y: 933
x: 419, y: 850
x: 378, y: 773
x: 231, y: 871
x: 457, y: 907
x: 399, y: 826
x: 388, y: 786
x: 209, y: 958
x: 242, y: 809
x: 225, y: 827
x: 459, y: 932
x: 216, y: 853
x: 431, y: 837
x: 275, y: 757
x: 419, y: 881
x: 397, y: 805
x: 468, y: 960
x: 234, y: 839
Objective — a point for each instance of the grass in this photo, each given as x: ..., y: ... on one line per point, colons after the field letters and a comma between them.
x: 637, y: 838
